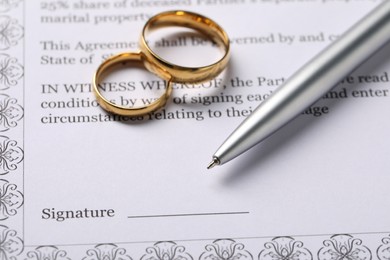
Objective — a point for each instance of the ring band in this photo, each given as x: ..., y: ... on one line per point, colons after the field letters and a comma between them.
x: 121, y: 110
x: 200, y: 23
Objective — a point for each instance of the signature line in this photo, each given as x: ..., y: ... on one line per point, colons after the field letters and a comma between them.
x: 192, y: 214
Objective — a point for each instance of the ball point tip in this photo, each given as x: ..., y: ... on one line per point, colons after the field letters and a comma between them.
x: 213, y: 163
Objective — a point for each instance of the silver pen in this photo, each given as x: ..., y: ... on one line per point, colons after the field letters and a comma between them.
x: 309, y: 83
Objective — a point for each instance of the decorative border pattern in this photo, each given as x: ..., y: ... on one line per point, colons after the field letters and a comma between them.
x: 10, y: 112
x: 10, y: 32
x: 383, y: 251
x: 11, y: 71
x: 344, y: 247
x: 11, y: 127
x: 10, y: 155
x: 47, y: 253
x: 285, y: 248
x: 11, y: 199
x: 107, y: 251
x: 167, y: 251
x: 7, y: 5
x: 336, y: 247
x: 225, y: 249
x: 11, y: 244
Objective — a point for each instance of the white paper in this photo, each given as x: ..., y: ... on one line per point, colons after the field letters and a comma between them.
x: 318, y: 188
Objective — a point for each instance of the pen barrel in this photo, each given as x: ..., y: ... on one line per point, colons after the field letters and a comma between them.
x: 311, y: 82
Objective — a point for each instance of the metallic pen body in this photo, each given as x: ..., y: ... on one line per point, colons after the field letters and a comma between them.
x: 309, y: 83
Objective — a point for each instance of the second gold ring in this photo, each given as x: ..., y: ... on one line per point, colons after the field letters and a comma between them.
x: 203, y: 25
x: 110, y: 106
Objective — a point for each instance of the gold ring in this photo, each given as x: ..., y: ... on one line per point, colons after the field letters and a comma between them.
x: 121, y: 110
x: 200, y: 23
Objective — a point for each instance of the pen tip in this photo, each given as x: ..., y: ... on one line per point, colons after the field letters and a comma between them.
x: 214, y: 162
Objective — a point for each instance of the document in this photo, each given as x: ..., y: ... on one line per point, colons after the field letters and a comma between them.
x: 80, y: 183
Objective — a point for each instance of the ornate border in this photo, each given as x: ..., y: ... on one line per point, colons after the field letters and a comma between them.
x: 11, y: 128
x: 336, y: 247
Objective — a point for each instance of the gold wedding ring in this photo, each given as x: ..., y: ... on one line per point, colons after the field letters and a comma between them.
x: 136, y: 57
x: 162, y: 68
x: 201, y: 24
